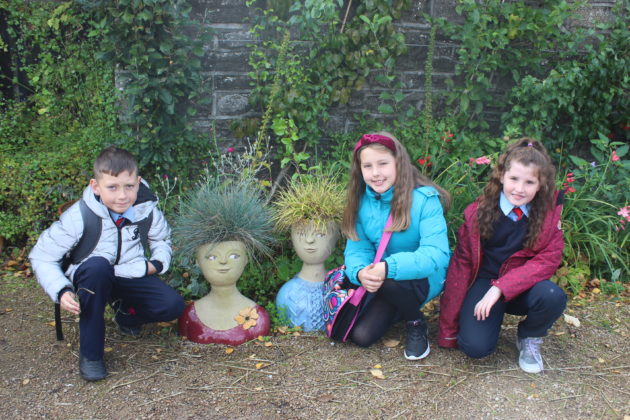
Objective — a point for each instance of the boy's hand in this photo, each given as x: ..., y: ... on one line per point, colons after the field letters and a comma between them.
x: 69, y: 303
x: 372, y: 276
x: 151, y: 268
x: 483, y: 307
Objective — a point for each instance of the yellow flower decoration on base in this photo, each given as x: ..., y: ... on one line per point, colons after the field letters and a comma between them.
x: 247, y: 317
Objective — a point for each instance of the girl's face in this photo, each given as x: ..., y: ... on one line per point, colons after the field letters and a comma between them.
x: 520, y: 183
x: 378, y: 167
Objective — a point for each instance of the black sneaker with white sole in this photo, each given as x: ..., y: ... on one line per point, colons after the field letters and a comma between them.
x: 417, y: 346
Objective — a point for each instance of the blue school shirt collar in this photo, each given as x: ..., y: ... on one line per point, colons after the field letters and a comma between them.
x: 129, y: 214
x: 506, y: 207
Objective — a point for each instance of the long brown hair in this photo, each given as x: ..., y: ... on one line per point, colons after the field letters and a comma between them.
x: 408, y: 177
x: 525, y: 151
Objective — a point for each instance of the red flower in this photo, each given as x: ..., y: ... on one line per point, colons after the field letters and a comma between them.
x: 230, y: 149
x: 165, y: 176
x: 570, y: 190
x: 131, y: 310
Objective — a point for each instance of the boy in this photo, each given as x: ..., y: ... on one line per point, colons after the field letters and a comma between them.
x: 116, y: 270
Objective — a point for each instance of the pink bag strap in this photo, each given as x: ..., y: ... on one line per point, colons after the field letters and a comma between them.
x: 384, y: 240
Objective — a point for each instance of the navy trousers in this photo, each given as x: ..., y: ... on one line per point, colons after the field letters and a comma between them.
x: 393, y: 301
x: 542, y: 304
x: 136, y: 301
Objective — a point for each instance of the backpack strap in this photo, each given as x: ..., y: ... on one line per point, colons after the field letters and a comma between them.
x: 144, y: 226
x: 92, y: 227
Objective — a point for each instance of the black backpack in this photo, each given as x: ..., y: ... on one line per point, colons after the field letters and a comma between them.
x: 92, y: 228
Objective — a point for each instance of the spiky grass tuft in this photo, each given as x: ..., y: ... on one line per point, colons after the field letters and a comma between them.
x: 215, y: 213
x: 319, y: 200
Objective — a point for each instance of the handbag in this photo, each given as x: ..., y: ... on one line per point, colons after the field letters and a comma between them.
x: 342, y: 299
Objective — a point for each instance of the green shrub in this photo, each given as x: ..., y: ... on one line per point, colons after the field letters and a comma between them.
x: 49, y: 140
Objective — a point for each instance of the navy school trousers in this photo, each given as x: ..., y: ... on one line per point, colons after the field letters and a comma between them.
x: 542, y: 304
x: 136, y: 301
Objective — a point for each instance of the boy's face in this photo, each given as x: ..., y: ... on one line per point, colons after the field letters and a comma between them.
x: 118, y: 193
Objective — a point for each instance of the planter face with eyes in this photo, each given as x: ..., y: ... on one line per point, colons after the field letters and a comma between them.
x: 224, y: 315
x: 302, y: 296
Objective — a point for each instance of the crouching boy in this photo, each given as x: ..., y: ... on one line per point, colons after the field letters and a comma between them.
x: 116, y: 271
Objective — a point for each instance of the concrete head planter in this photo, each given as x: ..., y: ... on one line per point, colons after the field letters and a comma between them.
x: 311, y: 210
x: 223, y: 227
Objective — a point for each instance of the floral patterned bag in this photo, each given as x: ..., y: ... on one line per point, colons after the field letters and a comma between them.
x: 342, y: 299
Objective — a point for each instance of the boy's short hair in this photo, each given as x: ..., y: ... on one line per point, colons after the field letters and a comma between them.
x: 113, y: 160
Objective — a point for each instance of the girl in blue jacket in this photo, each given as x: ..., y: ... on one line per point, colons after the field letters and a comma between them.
x: 413, y: 268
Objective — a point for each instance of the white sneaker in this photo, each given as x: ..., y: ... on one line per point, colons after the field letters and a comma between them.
x: 529, y: 358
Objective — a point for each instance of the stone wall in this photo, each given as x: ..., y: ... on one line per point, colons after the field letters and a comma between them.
x: 226, y: 62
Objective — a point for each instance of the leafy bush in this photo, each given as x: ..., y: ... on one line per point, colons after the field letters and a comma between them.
x: 596, y: 192
x: 49, y: 140
x: 582, y: 96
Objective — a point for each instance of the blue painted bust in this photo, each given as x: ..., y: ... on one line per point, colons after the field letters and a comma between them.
x: 302, y: 296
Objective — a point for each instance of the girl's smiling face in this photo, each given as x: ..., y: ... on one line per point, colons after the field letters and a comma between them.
x: 520, y: 183
x: 378, y: 167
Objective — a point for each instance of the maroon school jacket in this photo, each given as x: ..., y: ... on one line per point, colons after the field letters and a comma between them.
x: 519, y: 273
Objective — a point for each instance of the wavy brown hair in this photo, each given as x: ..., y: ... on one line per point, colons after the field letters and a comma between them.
x: 525, y: 151
x: 408, y: 177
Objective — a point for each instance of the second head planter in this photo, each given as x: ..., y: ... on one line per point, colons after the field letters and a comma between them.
x: 223, y: 226
x: 311, y: 210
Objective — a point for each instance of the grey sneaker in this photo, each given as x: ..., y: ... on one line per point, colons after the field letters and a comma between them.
x: 529, y: 358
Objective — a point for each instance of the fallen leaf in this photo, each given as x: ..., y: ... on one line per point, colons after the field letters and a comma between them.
x: 282, y: 330
x: 51, y: 323
x: 164, y: 324
x: 377, y: 366
x: 12, y: 263
x: 108, y: 349
x: 158, y: 350
x: 229, y: 350
x: 8, y: 309
x: 268, y: 344
x: 391, y: 342
x: 571, y: 320
x: 600, y: 360
x: 296, y: 334
x: 26, y: 381
x: 261, y: 365
x: 154, y: 357
x: 377, y: 373
x: 596, y: 291
x: 559, y: 333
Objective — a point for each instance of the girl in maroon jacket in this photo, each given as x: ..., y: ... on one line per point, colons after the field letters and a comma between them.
x: 508, y: 247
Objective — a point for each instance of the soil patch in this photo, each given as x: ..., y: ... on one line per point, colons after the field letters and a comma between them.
x: 305, y: 376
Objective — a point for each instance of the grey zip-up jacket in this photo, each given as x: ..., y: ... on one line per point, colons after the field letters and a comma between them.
x: 121, y: 247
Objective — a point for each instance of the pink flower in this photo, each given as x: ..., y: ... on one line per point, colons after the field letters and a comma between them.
x: 614, y: 156
x: 483, y: 160
x: 230, y: 149
x: 165, y: 176
x: 624, y: 212
x: 570, y: 190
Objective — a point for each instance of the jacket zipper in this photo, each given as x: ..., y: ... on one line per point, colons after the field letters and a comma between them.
x: 119, y: 245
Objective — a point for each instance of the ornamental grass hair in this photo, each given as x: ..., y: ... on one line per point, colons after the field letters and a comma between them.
x: 317, y: 200
x: 525, y: 151
x: 408, y: 177
x: 216, y: 213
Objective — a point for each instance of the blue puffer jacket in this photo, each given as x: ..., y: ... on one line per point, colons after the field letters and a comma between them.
x: 418, y: 252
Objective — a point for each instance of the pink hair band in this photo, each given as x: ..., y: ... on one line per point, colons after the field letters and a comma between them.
x: 368, y: 139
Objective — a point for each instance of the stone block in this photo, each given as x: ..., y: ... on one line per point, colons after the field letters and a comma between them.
x: 231, y: 104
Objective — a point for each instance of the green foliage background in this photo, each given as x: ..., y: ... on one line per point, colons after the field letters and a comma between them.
x: 570, y: 90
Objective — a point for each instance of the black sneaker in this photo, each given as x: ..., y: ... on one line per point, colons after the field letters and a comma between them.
x: 417, y: 346
x: 92, y: 370
x: 131, y: 331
